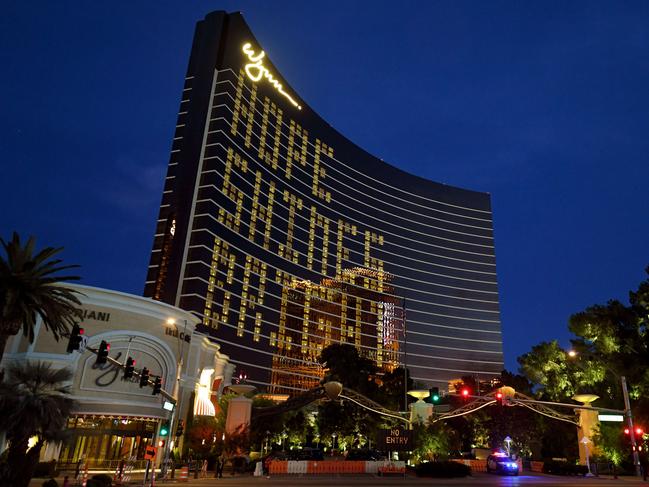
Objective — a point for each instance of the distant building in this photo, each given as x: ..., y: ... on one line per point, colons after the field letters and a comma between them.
x: 116, y: 419
x: 275, y: 230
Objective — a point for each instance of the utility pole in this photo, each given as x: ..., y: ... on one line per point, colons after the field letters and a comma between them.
x: 173, y: 423
x: 629, y: 422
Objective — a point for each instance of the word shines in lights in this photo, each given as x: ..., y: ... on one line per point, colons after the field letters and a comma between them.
x: 256, y: 71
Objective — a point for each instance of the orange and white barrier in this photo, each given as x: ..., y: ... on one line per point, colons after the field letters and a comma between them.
x: 184, y: 474
x: 312, y: 467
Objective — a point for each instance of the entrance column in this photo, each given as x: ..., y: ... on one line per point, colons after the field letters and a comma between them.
x: 588, y: 425
x: 239, y: 408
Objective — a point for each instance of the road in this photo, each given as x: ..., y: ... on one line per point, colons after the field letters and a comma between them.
x: 478, y: 479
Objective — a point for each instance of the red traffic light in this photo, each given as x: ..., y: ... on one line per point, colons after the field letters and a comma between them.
x: 638, y: 431
x: 499, y: 395
x: 465, y: 392
x: 626, y: 431
x: 81, y: 331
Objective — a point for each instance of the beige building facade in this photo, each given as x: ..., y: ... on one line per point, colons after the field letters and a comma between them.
x: 116, y: 419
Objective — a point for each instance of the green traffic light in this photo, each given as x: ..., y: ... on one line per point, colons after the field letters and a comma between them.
x: 164, y: 431
x: 435, y: 398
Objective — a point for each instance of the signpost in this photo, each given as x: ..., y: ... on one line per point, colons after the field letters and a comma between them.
x: 149, y: 454
x: 396, y: 439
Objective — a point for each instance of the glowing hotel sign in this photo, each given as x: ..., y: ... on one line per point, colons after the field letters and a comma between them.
x: 256, y: 70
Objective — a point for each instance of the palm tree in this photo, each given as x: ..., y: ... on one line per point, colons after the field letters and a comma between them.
x: 28, y: 288
x: 35, y: 403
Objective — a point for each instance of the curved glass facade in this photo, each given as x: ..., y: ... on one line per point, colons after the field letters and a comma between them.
x: 284, y: 236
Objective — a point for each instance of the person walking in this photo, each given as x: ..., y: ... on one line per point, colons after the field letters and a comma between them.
x: 644, y: 465
x: 221, y: 465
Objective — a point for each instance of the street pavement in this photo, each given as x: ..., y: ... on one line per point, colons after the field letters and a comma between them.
x: 477, y: 479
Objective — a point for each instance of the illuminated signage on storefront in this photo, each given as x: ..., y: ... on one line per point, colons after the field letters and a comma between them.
x: 256, y: 71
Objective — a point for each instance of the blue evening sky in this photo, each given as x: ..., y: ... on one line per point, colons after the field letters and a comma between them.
x: 543, y: 104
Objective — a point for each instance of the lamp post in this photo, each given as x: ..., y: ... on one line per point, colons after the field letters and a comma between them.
x: 508, y: 440
x: 627, y: 413
x: 585, y: 441
x: 176, y: 390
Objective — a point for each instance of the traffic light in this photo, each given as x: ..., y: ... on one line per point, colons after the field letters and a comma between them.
x: 129, y: 368
x: 434, y: 395
x: 500, y: 398
x: 161, y: 443
x: 465, y: 392
x: 102, y: 353
x: 144, y: 377
x: 157, y: 385
x: 626, y: 431
x: 180, y: 428
x: 76, y: 336
x: 164, y: 429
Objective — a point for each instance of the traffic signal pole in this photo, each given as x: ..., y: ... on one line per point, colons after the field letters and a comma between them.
x: 629, y: 422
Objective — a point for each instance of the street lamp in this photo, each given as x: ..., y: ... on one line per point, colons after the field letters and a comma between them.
x: 508, y: 440
x: 585, y: 441
x: 627, y: 412
x: 176, y: 390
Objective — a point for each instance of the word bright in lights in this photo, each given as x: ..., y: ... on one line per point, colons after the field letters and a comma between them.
x: 256, y: 70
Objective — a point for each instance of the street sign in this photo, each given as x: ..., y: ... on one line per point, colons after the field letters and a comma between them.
x: 396, y: 439
x: 150, y: 452
x: 616, y: 418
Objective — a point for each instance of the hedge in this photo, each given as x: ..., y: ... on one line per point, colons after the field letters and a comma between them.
x: 444, y: 469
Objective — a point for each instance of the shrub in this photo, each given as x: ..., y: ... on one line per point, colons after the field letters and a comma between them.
x: 442, y: 469
x: 45, y: 469
x: 563, y: 468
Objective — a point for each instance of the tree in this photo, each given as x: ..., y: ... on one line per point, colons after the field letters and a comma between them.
x: 35, y: 403
x: 611, y: 340
x: 203, y: 436
x: 344, y: 364
x: 28, y: 289
x: 433, y: 442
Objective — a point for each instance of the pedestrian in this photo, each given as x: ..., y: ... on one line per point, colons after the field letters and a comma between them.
x: 644, y: 465
x: 221, y: 465
x: 66, y: 482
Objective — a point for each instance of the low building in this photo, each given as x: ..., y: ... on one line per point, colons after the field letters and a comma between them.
x: 116, y: 419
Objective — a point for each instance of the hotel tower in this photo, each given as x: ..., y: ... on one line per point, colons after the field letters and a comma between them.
x: 282, y: 236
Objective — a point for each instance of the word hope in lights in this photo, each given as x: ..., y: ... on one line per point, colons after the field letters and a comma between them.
x: 256, y: 71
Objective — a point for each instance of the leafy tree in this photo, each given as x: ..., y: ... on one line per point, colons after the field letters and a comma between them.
x: 433, y: 442
x: 204, y: 436
x: 392, y: 390
x: 29, y: 288
x: 611, y: 340
x: 267, y: 427
x: 35, y: 403
x: 344, y: 364
x: 610, y: 443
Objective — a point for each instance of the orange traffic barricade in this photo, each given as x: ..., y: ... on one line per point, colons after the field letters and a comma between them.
x: 184, y: 474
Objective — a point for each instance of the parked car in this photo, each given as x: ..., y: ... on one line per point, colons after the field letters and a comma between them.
x: 501, y: 463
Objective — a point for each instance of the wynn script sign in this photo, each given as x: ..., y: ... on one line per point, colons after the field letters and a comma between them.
x: 256, y: 70
x: 395, y: 439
